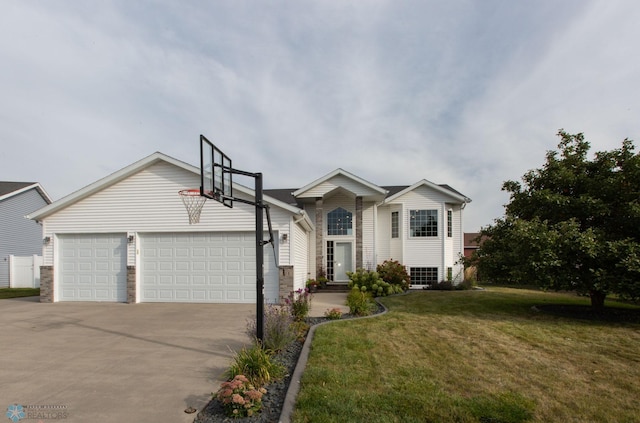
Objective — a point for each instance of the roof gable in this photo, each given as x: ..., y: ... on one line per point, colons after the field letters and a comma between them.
x: 340, y: 179
x: 11, y: 189
x: 442, y: 189
x: 132, y: 169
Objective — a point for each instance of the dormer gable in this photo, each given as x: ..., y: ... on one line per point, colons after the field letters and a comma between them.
x: 341, y: 181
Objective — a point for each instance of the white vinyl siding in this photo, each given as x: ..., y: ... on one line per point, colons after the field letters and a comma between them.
x: 341, y: 182
x: 300, y: 257
x: 148, y: 201
x: 369, y: 250
x: 424, y: 252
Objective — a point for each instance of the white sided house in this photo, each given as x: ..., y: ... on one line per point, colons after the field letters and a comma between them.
x: 127, y: 237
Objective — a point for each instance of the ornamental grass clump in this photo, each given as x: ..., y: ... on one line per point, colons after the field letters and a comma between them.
x: 299, y: 302
x: 240, y: 398
x: 360, y: 302
x: 278, y: 331
x: 257, y: 365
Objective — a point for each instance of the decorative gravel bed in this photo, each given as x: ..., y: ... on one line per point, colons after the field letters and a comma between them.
x: 273, y: 400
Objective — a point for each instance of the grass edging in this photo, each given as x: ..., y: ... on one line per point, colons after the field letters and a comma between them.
x: 294, y: 384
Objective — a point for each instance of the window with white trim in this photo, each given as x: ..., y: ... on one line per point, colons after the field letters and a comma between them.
x: 339, y: 222
x: 423, y: 275
x: 449, y: 223
x: 423, y: 223
x: 395, y: 224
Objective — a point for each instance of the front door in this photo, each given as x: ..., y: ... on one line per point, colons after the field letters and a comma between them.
x: 342, y: 261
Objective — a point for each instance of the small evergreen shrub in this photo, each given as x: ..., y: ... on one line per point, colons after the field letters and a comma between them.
x: 257, y: 365
x: 278, y: 330
x: 240, y: 398
x: 299, y: 302
x: 394, y: 273
x: 360, y: 302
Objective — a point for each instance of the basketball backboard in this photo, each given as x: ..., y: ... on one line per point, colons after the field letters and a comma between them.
x: 215, y: 173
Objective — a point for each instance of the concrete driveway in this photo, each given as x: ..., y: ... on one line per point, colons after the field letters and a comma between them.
x: 106, y: 362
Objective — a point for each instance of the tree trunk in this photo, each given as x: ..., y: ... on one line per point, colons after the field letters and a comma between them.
x: 597, y: 299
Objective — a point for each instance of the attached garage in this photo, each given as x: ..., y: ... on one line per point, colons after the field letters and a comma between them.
x: 92, y: 267
x: 127, y: 238
x: 203, y: 267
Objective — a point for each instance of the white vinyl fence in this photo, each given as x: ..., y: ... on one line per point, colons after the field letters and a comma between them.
x: 24, y: 272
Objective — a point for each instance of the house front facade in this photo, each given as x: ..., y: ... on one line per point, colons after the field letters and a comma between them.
x: 127, y: 237
x: 360, y: 225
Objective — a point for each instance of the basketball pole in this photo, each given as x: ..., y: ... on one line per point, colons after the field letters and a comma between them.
x: 259, y: 259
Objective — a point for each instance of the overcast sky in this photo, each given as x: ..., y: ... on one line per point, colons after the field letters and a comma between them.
x: 465, y: 93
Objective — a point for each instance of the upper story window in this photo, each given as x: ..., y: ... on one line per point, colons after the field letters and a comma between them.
x: 395, y: 224
x: 423, y: 223
x: 449, y: 223
x: 339, y: 222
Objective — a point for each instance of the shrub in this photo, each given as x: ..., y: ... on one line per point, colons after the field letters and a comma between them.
x: 240, y: 398
x: 441, y: 286
x: 394, y: 273
x: 333, y: 314
x: 360, y: 302
x: 371, y: 282
x: 256, y: 365
x: 279, y: 331
x: 299, y: 303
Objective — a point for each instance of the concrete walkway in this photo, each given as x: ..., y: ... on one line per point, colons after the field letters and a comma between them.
x: 323, y: 301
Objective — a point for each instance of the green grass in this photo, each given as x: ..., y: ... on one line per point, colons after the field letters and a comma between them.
x: 473, y: 356
x: 18, y: 292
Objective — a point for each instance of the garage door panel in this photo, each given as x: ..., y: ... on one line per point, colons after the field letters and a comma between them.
x: 92, y: 267
x: 202, y: 267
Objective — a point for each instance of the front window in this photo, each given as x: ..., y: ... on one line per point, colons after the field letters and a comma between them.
x: 394, y: 224
x: 339, y: 222
x: 424, y: 275
x: 423, y: 223
x: 449, y: 223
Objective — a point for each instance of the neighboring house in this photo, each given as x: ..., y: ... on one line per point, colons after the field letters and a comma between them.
x: 470, y: 243
x: 127, y: 238
x: 19, y: 236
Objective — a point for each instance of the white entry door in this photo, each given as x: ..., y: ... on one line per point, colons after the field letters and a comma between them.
x: 342, y: 261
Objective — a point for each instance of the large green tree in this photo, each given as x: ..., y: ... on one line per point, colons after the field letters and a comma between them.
x: 573, y: 224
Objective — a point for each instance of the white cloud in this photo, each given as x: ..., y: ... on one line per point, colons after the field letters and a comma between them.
x: 464, y: 93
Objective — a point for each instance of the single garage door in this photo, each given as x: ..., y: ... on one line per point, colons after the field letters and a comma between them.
x: 92, y: 267
x: 204, y: 268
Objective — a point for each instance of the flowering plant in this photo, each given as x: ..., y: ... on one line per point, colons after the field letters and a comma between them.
x: 333, y: 314
x: 239, y: 398
x: 300, y: 303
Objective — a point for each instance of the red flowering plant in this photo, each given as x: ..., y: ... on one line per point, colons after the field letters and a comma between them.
x: 299, y: 302
x: 239, y: 398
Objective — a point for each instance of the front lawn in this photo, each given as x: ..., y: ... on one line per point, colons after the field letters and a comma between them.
x: 18, y: 292
x: 475, y: 356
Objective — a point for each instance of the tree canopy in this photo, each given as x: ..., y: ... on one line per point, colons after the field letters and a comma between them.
x: 573, y: 224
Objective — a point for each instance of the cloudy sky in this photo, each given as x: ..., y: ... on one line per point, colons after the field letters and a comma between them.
x: 467, y: 93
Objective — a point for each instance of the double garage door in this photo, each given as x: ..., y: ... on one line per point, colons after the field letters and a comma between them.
x: 178, y: 267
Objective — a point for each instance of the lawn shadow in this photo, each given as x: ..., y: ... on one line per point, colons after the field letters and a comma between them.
x: 585, y: 312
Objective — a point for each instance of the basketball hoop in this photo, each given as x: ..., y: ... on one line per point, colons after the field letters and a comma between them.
x: 193, y: 202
